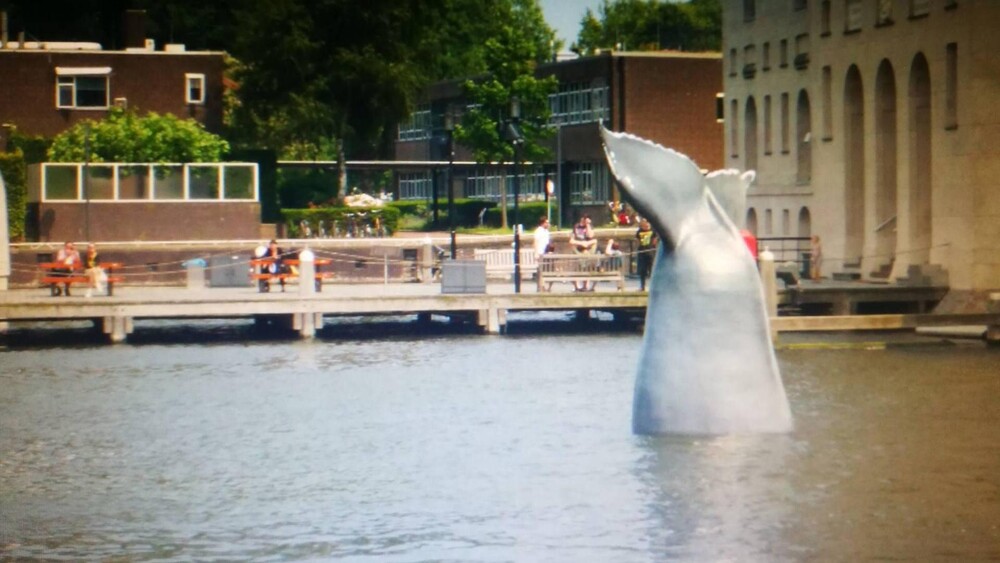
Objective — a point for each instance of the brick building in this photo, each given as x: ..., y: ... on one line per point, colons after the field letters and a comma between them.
x: 48, y: 87
x: 667, y: 97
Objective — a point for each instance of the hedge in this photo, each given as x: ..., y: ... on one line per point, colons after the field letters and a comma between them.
x: 530, y: 213
x: 14, y: 177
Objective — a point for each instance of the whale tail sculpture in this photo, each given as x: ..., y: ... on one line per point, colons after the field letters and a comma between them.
x: 707, y: 363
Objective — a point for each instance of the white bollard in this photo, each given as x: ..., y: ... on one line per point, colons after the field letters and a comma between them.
x: 307, y: 273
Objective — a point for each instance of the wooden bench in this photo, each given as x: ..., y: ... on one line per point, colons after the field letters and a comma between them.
x: 264, y: 278
x: 54, y: 274
x: 500, y: 262
x: 576, y: 268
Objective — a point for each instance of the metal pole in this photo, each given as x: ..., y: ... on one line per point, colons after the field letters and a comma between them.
x: 86, y: 182
x: 517, y: 216
x: 558, y: 189
x: 450, y: 187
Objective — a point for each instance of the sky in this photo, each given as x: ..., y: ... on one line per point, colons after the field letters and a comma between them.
x: 564, y: 16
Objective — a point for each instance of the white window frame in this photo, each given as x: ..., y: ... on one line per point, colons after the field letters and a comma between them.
x: 190, y: 79
x: 66, y: 81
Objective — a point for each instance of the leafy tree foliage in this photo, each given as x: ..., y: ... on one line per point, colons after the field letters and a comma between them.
x: 13, y: 169
x: 646, y: 25
x: 512, y: 55
x: 124, y: 136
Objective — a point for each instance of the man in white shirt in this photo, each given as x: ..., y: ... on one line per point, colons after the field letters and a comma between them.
x: 542, y: 237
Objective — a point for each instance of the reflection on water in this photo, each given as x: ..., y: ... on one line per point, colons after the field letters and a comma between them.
x: 483, y: 448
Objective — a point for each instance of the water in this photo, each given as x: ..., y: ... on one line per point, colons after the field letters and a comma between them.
x: 472, y: 448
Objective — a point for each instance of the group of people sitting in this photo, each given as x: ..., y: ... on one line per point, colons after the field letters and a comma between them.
x: 583, y: 240
x: 69, y: 260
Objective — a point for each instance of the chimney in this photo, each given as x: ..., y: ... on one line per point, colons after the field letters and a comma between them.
x: 134, y: 28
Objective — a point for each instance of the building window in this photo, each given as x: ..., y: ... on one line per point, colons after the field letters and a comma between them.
x: 827, y: 103
x: 783, y: 54
x: 767, y: 125
x: 82, y: 88
x: 768, y: 222
x: 417, y: 127
x: 920, y: 8
x: 765, y: 63
x: 720, y: 107
x: 749, y: 61
x: 951, y: 87
x: 415, y: 186
x: 824, y: 18
x: 802, y: 51
x: 786, y: 222
x: 749, y: 10
x: 579, y: 103
x: 784, y: 123
x: 194, y: 88
x: 732, y: 62
x: 853, y: 15
x: 734, y: 129
x: 589, y: 182
x: 883, y: 13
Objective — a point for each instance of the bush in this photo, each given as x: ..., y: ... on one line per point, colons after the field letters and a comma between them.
x: 330, y: 215
x: 530, y: 213
x: 466, y: 210
x: 14, y: 173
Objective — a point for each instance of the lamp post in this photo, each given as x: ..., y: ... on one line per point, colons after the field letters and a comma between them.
x: 449, y: 126
x: 516, y: 138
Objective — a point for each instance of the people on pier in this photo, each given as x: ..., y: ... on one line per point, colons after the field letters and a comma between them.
x: 68, y: 259
x: 583, y: 239
x: 542, y: 237
x: 92, y: 267
x: 276, y: 264
x: 646, y: 249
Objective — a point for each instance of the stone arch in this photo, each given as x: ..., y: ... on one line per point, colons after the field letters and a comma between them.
x: 920, y: 198
x: 805, y: 223
x: 750, y: 136
x: 803, y: 139
x: 854, y: 166
x: 885, y: 168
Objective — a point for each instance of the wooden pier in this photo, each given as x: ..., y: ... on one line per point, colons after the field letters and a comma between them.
x: 305, y: 312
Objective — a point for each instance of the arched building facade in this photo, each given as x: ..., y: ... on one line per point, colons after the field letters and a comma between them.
x: 886, y: 130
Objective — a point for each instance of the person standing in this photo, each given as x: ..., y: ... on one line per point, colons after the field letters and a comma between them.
x: 542, y: 237
x: 92, y: 267
x: 644, y: 257
x: 815, y: 258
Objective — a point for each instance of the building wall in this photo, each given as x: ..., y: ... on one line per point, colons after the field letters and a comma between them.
x: 146, y: 221
x: 149, y: 81
x: 902, y: 169
x: 673, y: 103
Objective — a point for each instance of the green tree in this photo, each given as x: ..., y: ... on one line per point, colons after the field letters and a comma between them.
x: 511, y: 57
x: 649, y: 25
x: 14, y: 178
x: 124, y: 136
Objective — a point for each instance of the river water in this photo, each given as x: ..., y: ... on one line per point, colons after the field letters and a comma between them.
x: 473, y: 448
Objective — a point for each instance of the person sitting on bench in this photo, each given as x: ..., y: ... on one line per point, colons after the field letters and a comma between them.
x: 69, y: 257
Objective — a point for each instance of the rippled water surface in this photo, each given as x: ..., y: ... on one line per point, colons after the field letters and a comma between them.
x: 472, y: 448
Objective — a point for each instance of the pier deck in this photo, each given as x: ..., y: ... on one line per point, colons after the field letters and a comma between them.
x: 306, y: 313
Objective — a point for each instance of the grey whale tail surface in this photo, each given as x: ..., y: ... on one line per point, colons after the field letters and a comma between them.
x: 707, y: 363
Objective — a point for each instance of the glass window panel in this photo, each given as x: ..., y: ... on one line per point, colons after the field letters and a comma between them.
x: 203, y: 182
x: 239, y: 182
x: 133, y: 182
x: 91, y: 91
x: 98, y: 182
x: 168, y: 182
x: 60, y: 182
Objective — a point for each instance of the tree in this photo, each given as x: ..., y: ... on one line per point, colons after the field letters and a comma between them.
x: 648, y: 25
x: 511, y: 57
x: 124, y: 136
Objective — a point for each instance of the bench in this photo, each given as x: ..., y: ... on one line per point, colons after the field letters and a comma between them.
x: 576, y: 268
x: 54, y: 275
x: 264, y: 278
x: 500, y: 262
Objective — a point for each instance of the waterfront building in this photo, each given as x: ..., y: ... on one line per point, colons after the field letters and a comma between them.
x: 874, y: 124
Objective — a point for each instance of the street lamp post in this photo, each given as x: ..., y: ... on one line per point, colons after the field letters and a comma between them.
x: 515, y: 136
x: 449, y: 126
